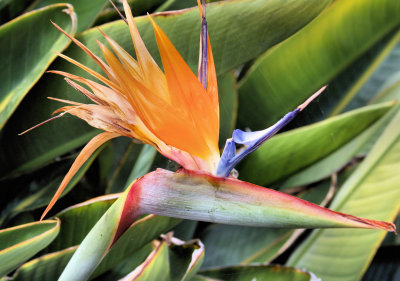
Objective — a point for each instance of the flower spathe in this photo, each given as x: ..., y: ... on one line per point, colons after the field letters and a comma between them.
x: 178, y: 113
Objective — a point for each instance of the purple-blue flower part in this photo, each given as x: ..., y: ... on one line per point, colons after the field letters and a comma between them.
x: 253, y: 140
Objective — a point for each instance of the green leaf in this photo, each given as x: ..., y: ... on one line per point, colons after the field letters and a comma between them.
x: 135, y: 237
x: 372, y: 78
x: 229, y: 24
x: 139, y: 7
x: 21, y: 242
x: 22, y: 66
x: 10, y: 9
x: 155, y: 268
x: 142, y: 164
x: 103, y: 235
x: 385, y: 266
x: 45, y: 268
x: 185, y: 258
x: 170, y: 5
x: 334, y: 161
x: 128, y: 264
x: 289, y: 152
x: 185, y: 230
x: 231, y: 244
x: 86, y: 10
x: 390, y: 90
x: 171, y: 259
x: 228, y: 105
x: 77, y: 221
x: 255, y: 272
x: 289, y: 73
x: 135, y: 161
x: 44, y: 188
x: 372, y: 191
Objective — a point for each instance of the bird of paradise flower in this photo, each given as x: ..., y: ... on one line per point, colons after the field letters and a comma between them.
x: 178, y: 114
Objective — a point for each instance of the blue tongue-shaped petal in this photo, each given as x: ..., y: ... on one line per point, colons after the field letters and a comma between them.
x: 253, y: 140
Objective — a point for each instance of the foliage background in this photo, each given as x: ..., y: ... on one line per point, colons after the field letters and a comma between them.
x: 270, y: 55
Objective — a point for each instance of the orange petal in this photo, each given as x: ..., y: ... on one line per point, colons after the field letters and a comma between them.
x: 84, y: 92
x: 212, y: 85
x: 102, y: 65
x: 129, y: 63
x: 83, y: 156
x: 88, y: 70
x: 150, y: 70
x: 190, y: 96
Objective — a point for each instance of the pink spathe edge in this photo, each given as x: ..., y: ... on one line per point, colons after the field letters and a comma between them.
x: 200, y: 196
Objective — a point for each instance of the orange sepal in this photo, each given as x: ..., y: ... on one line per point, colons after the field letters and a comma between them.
x: 83, y: 156
x: 200, y: 137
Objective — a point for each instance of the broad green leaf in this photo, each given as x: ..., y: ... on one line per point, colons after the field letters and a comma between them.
x: 10, y: 9
x: 359, y: 79
x: 372, y: 191
x: 111, y: 162
x: 105, y: 233
x: 27, y: 46
x: 289, y: 152
x: 185, y: 230
x: 228, y: 105
x: 4, y: 3
x: 255, y: 272
x: 135, y: 161
x: 170, y: 5
x: 77, y: 221
x: 86, y: 10
x: 21, y: 242
x: 230, y: 244
x: 136, y: 236
x: 154, y: 268
x: 185, y: 258
x: 139, y: 7
x: 229, y: 25
x: 127, y: 158
x: 171, y: 259
x: 39, y: 192
x: 289, y: 73
x: 45, y: 268
x: 373, y: 77
x: 359, y: 145
x: 142, y: 164
x: 385, y: 265
x: 127, y: 265
x: 390, y: 90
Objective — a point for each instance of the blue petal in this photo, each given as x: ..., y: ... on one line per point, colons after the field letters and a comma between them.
x: 225, y: 161
x: 254, y: 140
